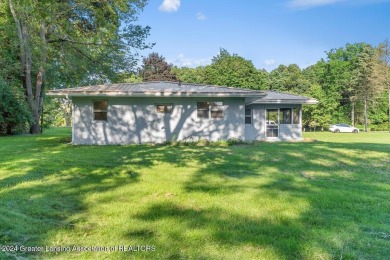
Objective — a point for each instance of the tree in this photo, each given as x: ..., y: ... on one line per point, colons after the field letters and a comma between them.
x: 155, y: 68
x: 321, y: 114
x: 225, y: 70
x: 368, y: 78
x: 96, y: 38
x: 232, y: 70
x: 384, y: 61
x: 190, y: 75
x: 288, y: 78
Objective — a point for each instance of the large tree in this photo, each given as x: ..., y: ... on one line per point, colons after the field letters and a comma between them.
x: 384, y: 62
x: 288, y: 78
x: 367, y: 78
x: 190, y: 75
x: 156, y: 68
x: 228, y: 69
x: 85, y: 39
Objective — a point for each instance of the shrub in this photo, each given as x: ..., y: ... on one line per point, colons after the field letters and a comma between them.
x: 15, y: 117
x: 380, y: 127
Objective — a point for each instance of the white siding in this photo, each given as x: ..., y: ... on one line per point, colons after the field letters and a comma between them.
x: 135, y: 120
x: 257, y: 130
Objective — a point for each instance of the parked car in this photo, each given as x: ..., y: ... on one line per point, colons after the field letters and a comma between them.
x: 269, y: 122
x: 343, y: 128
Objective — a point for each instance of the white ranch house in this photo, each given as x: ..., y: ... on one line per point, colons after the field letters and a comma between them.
x: 155, y: 112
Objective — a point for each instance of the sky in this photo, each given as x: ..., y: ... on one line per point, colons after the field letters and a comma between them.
x: 267, y: 32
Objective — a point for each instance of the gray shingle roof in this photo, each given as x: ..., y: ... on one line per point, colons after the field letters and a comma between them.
x: 156, y: 88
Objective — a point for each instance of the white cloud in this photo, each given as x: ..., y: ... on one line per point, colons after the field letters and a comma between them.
x: 169, y: 6
x: 200, y: 16
x: 311, y: 3
x: 182, y: 61
x: 269, y: 62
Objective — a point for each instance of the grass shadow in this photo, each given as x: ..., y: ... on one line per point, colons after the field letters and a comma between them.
x: 263, y: 200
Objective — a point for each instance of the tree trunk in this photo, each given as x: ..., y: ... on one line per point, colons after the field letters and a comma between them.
x: 365, y: 115
x: 388, y: 92
x: 353, y: 112
x: 35, y: 100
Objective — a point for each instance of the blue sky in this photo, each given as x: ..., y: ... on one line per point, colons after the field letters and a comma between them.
x: 267, y: 32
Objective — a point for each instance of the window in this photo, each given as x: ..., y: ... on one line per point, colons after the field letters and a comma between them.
x: 164, y: 108
x: 285, y: 115
x: 272, y: 122
x: 100, y: 108
x: 216, y: 109
x: 210, y: 109
x: 248, y: 116
x: 203, y: 109
x: 296, y: 115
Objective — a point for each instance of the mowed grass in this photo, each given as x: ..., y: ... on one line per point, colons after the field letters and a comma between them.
x: 325, y: 199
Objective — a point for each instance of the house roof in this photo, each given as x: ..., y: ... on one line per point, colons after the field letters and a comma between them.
x: 275, y: 97
x: 156, y: 88
x: 177, y: 89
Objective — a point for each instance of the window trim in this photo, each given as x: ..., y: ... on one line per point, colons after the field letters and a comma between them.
x: 99, y: 110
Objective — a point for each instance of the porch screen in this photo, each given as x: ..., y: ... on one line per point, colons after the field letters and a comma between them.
x: 272, y: 122
x: 296, y: 116
x: 285, y: 115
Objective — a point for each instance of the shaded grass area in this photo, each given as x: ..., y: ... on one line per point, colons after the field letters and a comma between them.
x: 324, y: 199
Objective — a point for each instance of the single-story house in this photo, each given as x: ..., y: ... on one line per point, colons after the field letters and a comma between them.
x: 155, y: 112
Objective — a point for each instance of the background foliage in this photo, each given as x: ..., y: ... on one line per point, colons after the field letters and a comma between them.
x: 60, y: 44
x: 342, y: 82
x: 75, y: 43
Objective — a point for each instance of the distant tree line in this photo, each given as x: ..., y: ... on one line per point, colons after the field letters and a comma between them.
x: 352, y: 83
x: 61, y: 44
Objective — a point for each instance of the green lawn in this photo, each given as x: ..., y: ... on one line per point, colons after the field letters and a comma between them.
x: 325, y: 199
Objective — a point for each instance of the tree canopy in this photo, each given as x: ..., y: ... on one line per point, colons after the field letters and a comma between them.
x: 350, y: 82
x: 67, y: 43
x: 59, y: 44
x: 155, y: 68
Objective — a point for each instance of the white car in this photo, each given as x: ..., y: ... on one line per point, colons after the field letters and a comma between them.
x: 343, y: 128
x: 271, y: 122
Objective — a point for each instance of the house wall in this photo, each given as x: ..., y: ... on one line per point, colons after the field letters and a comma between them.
x: 135, y: 120
x: 257, y: 130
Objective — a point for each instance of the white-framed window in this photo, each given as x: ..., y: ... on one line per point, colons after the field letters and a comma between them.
x: 164, y: 108
x: 248, y: 116
x: 100, y: 110
x: 209, y: 109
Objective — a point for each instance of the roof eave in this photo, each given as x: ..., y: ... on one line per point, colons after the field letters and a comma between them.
x: 287, y: 101
x: 151, y: 94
